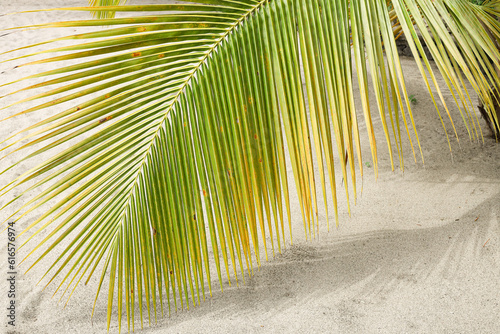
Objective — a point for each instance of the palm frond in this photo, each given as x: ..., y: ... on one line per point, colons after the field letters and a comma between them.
x: 180, y: 153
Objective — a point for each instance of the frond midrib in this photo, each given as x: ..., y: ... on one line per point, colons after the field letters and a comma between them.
x: 217, y: 43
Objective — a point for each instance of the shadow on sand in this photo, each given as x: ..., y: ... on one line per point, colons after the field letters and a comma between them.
x: 360, y: 266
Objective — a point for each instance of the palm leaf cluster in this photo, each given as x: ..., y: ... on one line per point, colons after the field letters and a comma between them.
x: 190, y: 114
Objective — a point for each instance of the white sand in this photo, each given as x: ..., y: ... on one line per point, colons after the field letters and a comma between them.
x: 420, y: 253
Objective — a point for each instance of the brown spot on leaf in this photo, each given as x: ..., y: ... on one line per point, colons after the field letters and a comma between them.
x: 255, y: 136
x: 136, y: 54
x: 204, y: 193
x: 105, y: 119
x: 161, y: 55
x: 141, y: 29
x: 154, y: 231
x: 107, y: 96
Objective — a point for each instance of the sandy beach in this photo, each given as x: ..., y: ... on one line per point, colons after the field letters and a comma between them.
x: 420, y: 252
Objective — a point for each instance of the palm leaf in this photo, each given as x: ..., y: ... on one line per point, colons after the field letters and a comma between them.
x: 101, y: 3
x: 178, y: 153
